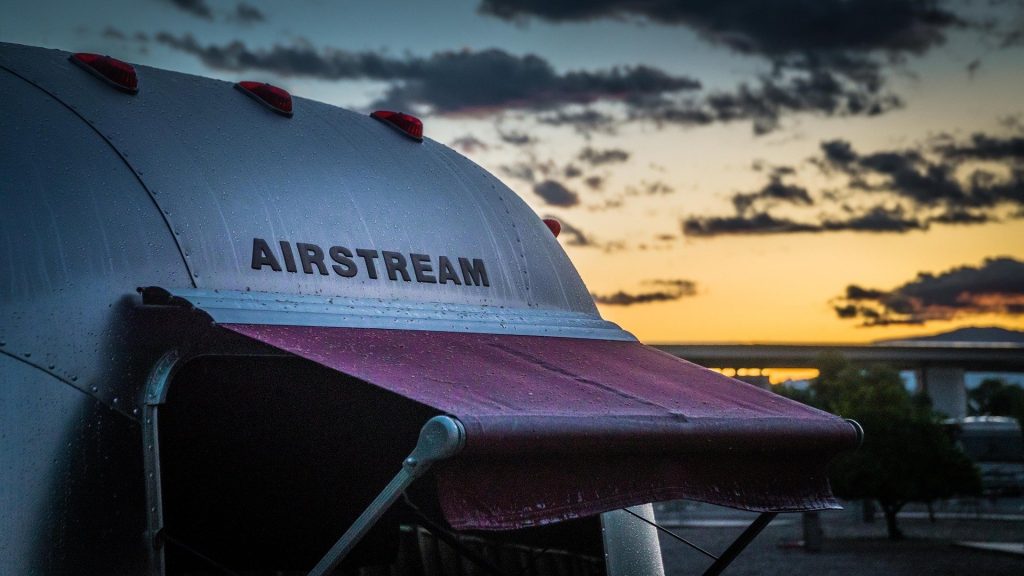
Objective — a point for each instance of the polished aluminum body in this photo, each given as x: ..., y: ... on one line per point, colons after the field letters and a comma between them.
x: 102, y: 192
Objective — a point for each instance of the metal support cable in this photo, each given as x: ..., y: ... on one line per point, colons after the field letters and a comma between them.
x: 172, y: 540
x: 674, y: 535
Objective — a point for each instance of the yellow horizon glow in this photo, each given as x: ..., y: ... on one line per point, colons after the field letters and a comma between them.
x: 776, y: 376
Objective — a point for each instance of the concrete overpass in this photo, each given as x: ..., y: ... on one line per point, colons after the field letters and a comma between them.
x: 940, y: 366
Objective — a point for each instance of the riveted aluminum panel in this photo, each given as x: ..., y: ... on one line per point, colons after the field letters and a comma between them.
x: 225, y: 170
x: 78, y: 233
x: 71, y: 490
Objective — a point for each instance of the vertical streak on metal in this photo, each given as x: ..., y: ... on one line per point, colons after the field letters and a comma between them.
x: 156, y: 393
x: 737, y: 546
x: 154, y: 516
x: 631, y: 545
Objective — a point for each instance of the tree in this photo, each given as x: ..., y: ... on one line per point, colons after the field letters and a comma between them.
x: 906, y: 456
x: 995, y: 397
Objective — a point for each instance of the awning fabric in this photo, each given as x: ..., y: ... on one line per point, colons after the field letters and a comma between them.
x: 560, y: 428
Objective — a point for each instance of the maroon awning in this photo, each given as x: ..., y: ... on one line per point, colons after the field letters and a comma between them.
x: 559, y: 428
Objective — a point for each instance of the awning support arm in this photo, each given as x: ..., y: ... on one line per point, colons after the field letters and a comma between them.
x: 440, y: 438
x: 740, y: 544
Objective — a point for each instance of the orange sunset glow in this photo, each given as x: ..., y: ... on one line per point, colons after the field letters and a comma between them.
x: 722, y: 175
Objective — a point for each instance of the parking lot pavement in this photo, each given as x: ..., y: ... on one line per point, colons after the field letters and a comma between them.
x: 851, y: 546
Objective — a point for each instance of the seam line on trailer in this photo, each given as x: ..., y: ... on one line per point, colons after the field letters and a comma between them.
x: 71, y: 385
x: 117, y: 151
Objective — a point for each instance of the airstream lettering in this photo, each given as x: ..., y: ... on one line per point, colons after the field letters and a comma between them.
x: 312, y: 260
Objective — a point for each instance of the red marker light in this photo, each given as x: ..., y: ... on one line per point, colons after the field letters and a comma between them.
x: 554, y: 225
x: 409, y: 125
x: 272, y: 97
x: 118, y: 74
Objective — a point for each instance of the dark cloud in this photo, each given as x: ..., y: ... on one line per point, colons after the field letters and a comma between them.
x: 594, y: 182
x: 586, y: 122
x: 1011, y: 34
x: 810, y: 86
x: 878, y: 219
x: 572, y: 171
x: 655, y: 188
x: 775, y: 191
x: 248, y: 14
x: 494, y: 80
x: 645, y: 189
x: 490, y: 79
x: 838, y: 152
x: 961, y: 216
x: 994, y: 287
x: 469, y: 144
x: 928, y: 178
x: 608, y: 204
x: 947, y: 181
x: 662, y: 112
x: 973, y: 67
x: 828, y: 56
x: 817, y: 91
x: 596, y: 157
x: 556, y: 194
x: 855, y: 293
x: 758, y: 223
x: 194, y: 7
x: 1013, y: 39
x: 771, y: 28
x: 445, y: 82
x: 985, y: 147
x: 531, y: 169
x: 520, y: 171
x: 114, y: 34
x: 298, y: 59
x: 516, y: 138
x: 670, y: 290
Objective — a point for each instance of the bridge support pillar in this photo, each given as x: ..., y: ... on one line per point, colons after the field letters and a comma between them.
x: 947, y: 389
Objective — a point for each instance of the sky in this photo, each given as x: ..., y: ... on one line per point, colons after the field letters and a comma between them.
x: 787, y: 171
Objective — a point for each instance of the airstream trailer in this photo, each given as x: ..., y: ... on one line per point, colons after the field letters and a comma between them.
x: 242, y: 333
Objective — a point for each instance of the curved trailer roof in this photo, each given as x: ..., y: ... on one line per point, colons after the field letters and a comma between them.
x: 565, y: 413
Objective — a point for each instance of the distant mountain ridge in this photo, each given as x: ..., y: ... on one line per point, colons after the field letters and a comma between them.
x: 972, y: 334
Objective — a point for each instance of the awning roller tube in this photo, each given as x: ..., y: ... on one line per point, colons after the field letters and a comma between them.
x: 497, y: 435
